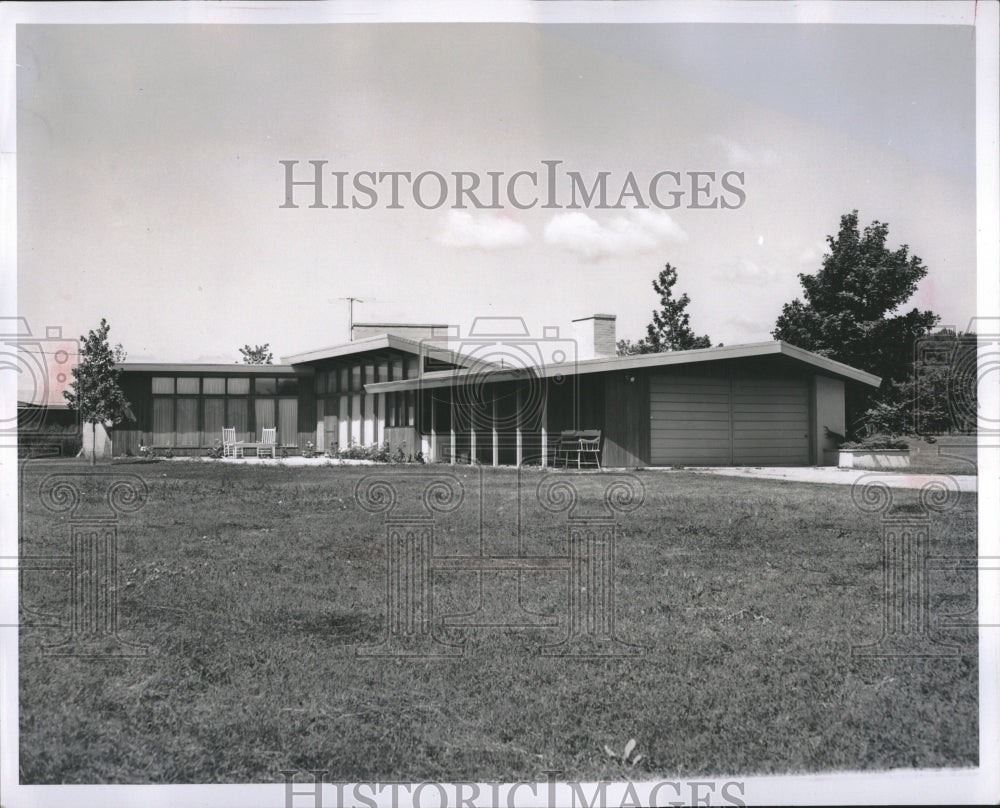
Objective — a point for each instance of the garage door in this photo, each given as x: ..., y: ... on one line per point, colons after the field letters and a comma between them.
x: 703, y: 421
x: 770, y: 422
x: 689, y: 421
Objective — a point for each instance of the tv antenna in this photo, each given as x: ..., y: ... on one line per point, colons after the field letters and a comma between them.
x: 350, y: 312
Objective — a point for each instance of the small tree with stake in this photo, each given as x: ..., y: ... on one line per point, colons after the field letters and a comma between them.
x: 94, y: 392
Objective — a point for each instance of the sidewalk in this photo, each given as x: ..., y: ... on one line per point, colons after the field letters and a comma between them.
x: 837, y: 476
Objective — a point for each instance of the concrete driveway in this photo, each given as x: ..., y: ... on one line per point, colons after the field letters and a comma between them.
x: 838, y: 476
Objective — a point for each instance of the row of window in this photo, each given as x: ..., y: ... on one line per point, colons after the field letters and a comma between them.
x: 189, y: 421
x: 353, y: 379
x: 221, y: 386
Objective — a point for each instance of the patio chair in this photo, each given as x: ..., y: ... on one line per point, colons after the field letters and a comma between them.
x: 268, y: 442
x: 590, y: 443
x: 230, y: 446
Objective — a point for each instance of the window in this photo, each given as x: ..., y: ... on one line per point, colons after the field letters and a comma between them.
x: 412, y: 367
x: 383, y: 371
x: 187, y: 385
x: 356, y: 378
x: 320, y: 381
x: 236, y: 415
x: 390, y: 409
x: 397, y: 369
x: 410, y: 408
x: 264, y: 413
x: 163, y: 421
x: 265, y: 386
x: 239, y: 386
x: 163, y: 385
x: 213, y: 386
x: 187, y: 421
x: 344, y: 384
x: 215, y: 415
x: 288, y: 421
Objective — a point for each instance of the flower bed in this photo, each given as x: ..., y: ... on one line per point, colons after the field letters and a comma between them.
x: 873, y: 458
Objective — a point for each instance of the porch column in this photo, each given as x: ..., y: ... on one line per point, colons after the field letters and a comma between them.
x: 433, y: 452
x: 496, y: 438
x: 451, y: 423
x: 517, y: 425
x: 545, y: 423
x: 320, y: 425
x: 472, y: 434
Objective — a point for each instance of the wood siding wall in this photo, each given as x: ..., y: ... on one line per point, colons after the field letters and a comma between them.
x: 626, y: 424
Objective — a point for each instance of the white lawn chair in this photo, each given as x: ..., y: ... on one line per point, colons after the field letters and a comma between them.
x: 230, y: 446
x: 268, y: 442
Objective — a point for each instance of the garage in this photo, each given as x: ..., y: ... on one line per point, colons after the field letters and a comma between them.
x: 713, y: 420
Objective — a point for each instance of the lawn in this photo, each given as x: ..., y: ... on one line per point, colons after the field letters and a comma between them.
x: 253, y: 589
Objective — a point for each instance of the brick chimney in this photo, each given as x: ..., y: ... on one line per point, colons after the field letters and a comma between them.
x: 595, y: 336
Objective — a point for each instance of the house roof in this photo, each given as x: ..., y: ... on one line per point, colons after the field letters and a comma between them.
x: 379, y: 342
x: 618, y: 363
x: 189, y: 367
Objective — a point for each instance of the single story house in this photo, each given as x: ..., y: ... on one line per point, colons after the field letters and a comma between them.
x: 498, y: 396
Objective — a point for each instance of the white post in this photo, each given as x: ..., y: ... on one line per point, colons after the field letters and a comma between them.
x: 451, y: 422
x: 496, y: 438
x: 545, y: 424
x: 517, y: 425
x: 433, y: 452
x: 472, y: 434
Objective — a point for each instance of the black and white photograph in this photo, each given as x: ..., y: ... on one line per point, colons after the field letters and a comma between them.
x: 551, y: 404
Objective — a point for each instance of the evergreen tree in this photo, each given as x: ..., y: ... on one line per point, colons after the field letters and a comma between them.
x: 670, y: 329
x: 94, y: 391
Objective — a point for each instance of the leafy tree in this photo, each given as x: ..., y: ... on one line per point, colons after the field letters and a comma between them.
x: 670, y: 329
x: 848, y: 312
x: 258, y: 355
x: 939, y: 396
x: 94, y: 391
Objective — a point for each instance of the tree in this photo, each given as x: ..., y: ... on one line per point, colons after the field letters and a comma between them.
x: 94, y: 391
x: 940, y: 395
x: 849, y: 311
x: 258, y: 355
x: 670, y: 329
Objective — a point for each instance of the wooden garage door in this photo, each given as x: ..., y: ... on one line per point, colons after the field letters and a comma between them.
x: 770, y: 422
x: 689, y: 421
x: 704, y: 421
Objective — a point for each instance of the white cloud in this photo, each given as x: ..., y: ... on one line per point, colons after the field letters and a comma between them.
x: 742, y: 157
x: 484, y: 232
x: 813, y: 254
x: 642, y: 231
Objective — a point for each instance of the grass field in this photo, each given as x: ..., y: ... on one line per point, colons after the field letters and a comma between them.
x: 253, y: 588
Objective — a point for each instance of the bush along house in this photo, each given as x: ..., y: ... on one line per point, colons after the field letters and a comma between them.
x: 499, y: 396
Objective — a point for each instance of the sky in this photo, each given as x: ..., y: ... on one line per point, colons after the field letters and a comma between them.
x: 150, y: 187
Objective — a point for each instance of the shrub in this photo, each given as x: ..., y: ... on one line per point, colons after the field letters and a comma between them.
x: 876, y: 442
x: 215, y: 451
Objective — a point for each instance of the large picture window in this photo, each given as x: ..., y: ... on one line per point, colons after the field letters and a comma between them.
x: 187, y: 421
